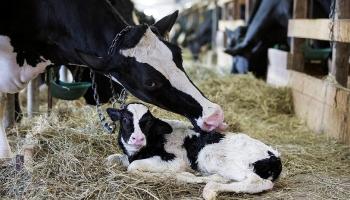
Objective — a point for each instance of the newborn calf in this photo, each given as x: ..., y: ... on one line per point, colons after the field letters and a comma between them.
x: 163, y: 146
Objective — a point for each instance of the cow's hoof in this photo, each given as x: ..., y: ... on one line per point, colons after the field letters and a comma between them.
x: 209, y: 191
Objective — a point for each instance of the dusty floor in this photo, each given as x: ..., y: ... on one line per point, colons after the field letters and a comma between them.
x: 69, y: 162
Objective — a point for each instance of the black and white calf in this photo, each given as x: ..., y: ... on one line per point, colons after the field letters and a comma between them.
x: 232, y: 162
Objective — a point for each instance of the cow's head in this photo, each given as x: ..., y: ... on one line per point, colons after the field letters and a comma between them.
x: 150, y: 68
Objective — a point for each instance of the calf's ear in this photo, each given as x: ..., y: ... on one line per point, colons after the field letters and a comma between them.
x: 166, y: 23
x: 160, y: 127
x: 114, y: 114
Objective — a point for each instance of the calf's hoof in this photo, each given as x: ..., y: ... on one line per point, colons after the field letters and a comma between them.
x: 120, y: 159
x: 209, y: 191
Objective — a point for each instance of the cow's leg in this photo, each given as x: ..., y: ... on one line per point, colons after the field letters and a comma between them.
x: 18, y: 110
x: 252, y: 184
x: 5, y: 150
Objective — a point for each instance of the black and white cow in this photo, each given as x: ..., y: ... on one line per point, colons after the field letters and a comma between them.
x: 234, y: 162
x: 267, y: 27
x: 204, y: 34
x: 81, y: 32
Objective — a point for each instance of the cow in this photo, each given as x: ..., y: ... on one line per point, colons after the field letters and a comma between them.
x: 204, y: 34
x: 127, y: 11
x: 167, y: 146
x: 91, y: 33
x: 267, y: 27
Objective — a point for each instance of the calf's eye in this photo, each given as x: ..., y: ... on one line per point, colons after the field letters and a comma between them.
x: 125, y: 121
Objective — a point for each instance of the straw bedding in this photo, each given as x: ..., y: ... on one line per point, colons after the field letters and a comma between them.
x: 71, y: 149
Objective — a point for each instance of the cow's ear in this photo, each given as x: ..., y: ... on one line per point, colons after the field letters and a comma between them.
x: 114, y: 114
x: 160, y: 127
x: 92, y: 61
x: 166, y: 23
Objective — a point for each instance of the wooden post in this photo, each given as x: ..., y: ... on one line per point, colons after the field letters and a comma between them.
x: 236, y: 9
x: 214, y: 25
x: 297, y: 59
x: 341, y: 51
x: 33, y: 97
x: 9, y: 116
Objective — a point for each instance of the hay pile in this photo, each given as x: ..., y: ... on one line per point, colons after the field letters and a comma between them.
x: 70, y: 161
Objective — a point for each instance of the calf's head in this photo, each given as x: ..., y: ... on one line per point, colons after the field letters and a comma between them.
x: 150, y: 68
x: 137, y: 125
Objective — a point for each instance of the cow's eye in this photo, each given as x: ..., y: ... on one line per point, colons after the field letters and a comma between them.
x: 151, y: 85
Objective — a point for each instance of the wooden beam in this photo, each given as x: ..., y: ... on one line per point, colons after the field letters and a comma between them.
x: 324, y: 107
x: 297, y: 57
x: 319, y: 29
x: 340, y: 64
x: 341, y: 51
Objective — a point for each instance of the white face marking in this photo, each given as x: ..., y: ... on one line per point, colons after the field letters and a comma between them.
x: 155, y: 53
x: 138, y: 110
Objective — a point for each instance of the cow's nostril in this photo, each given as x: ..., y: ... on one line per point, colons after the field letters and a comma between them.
x: 133, y: 138
x: 142, y: 139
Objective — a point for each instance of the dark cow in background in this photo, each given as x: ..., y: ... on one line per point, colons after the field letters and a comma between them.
x: 196, y: 29
x: 41, y: 32
x: 202, y: 36
x: 185, y: 28
x: 266, y: 28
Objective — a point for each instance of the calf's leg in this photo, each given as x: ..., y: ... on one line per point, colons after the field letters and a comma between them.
x: 5, y: 150
x: 251, y: 185
x: 156, y: 164
x: 182, y: 177
x: 188, y: 177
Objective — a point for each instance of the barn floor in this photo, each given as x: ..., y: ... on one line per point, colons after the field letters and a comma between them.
x: 69, y: 162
